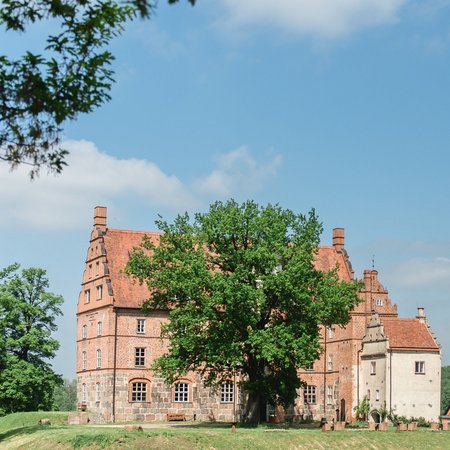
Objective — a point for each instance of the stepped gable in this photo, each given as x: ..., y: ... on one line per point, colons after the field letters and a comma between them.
x: 328, y: 259
x: 408, y: 334
x: 118, y: 245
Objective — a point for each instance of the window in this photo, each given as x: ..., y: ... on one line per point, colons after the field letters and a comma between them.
x: 99, y: 359
x: 140, y: 326
x: 83, y: 393
x: 84, y: 332
x: 310, y: 366
x: 181, y: 392
x: 227, y: 392
x: 377, y: 395
x: 83, y: 361
x: 139, y: 357
x: 87, y: 296
x: 97, y: 268
x: 90, y: 270
x: 368, y: 394
x: 373, y: 368
x: 99, y: 292
x: 97, y: 392
x: 99, y: 328
x: 329, y: 395
x: 309, y: 395
x: 420, y: 367
x: 330, y: 332
x: 379, y: 302
x: 330, y: 362
x: 139, y: 391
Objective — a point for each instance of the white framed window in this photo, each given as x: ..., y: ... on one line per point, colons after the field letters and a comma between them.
x: 310, y: 395
x: 99, y: 328
x: 87, y: 296
x: 377, y: 395
x: 97, y: 392
x: 330, y: 361
x: 99, y: 292
x: 181, y: 392
x: 227, y: 392
x: 379, y: 302
x: 84, y: 393
x: 139, y: 391
x: 373, y: 367
x: 99, y: 358
x: 420, y: 367
x: 329, y: 395
x: 84, y: 331
x: 83, y: 360
x: 140, y: 326
x: 139, y: 357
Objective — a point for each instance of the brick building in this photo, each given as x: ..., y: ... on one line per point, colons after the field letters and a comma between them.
x: 116, y: 343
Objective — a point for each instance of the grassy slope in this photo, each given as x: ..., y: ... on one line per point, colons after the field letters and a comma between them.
x: 21, y: 431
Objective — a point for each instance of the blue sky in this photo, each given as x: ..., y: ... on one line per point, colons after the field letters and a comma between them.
x: 339, y: 105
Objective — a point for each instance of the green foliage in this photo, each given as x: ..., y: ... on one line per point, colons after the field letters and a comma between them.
x: 72, y: 74
x: 362, y: 409
x: 445, y: 389
x: 243, y: 294
x: 65, y: 396
x: 27, y: 319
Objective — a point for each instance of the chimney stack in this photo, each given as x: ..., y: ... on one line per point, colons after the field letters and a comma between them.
x: 338, y: 239
x: 421, y: 314
x: 100, y: 218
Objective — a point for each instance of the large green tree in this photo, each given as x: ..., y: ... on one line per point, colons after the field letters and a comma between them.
x: 243, y: 295
x: 71, y: 75
x: 27, y: 320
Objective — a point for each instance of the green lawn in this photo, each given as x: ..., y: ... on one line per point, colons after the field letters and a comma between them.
x: 21, y: 431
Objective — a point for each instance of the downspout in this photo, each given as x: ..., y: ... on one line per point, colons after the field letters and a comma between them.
x: 114, y: 367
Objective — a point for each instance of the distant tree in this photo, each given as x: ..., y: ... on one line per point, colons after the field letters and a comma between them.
x: 243, y: 295
x: 65, y: 396
x: 70, y: 76
x: 27, y: 320
x: 445, y: 388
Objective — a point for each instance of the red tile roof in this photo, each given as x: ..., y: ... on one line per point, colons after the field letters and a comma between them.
x: 119, y: 243
x: 408, y: 334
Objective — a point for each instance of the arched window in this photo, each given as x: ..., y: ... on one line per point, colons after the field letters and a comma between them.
x: 181, y: 392
x: 138, y: 391
x: 83, y: 360
x: 84, y: 332
x: 99, y: 328
x: 99, y: 359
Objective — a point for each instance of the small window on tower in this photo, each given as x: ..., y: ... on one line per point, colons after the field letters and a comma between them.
x: 84, y: 332
x: 99, y: 292
x: 90, y: 270
x: 97, y: 268
x: 87, y: 296
x: 373, y: 368
x: 99, y: 328
x: 379, y: 302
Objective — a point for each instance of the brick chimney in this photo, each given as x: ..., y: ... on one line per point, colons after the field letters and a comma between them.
x: 338, y: 239
x: 100, y: 218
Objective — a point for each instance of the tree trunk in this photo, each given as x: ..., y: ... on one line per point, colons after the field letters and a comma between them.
x: 254, y: 408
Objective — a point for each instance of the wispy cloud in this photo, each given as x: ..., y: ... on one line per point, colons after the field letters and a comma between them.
x: 238, y: 172
x: 93, y: 177
x: 422, y: 272
x: 319, y: 18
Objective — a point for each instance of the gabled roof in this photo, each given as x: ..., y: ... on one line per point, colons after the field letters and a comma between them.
x: 130, y: 294
x: 409, y: 334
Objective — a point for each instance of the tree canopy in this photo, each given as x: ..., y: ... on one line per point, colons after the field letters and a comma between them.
x: 243, y: 295
x: 70, y: 76
x: 27, y: 320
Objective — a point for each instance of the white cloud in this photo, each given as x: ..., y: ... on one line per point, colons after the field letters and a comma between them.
x: 93, y: 177
x: 319, y: 18
x: 238, y: 172
x: 422, y: 272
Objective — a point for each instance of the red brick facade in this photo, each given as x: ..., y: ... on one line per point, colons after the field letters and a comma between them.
x: 111, y: 380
